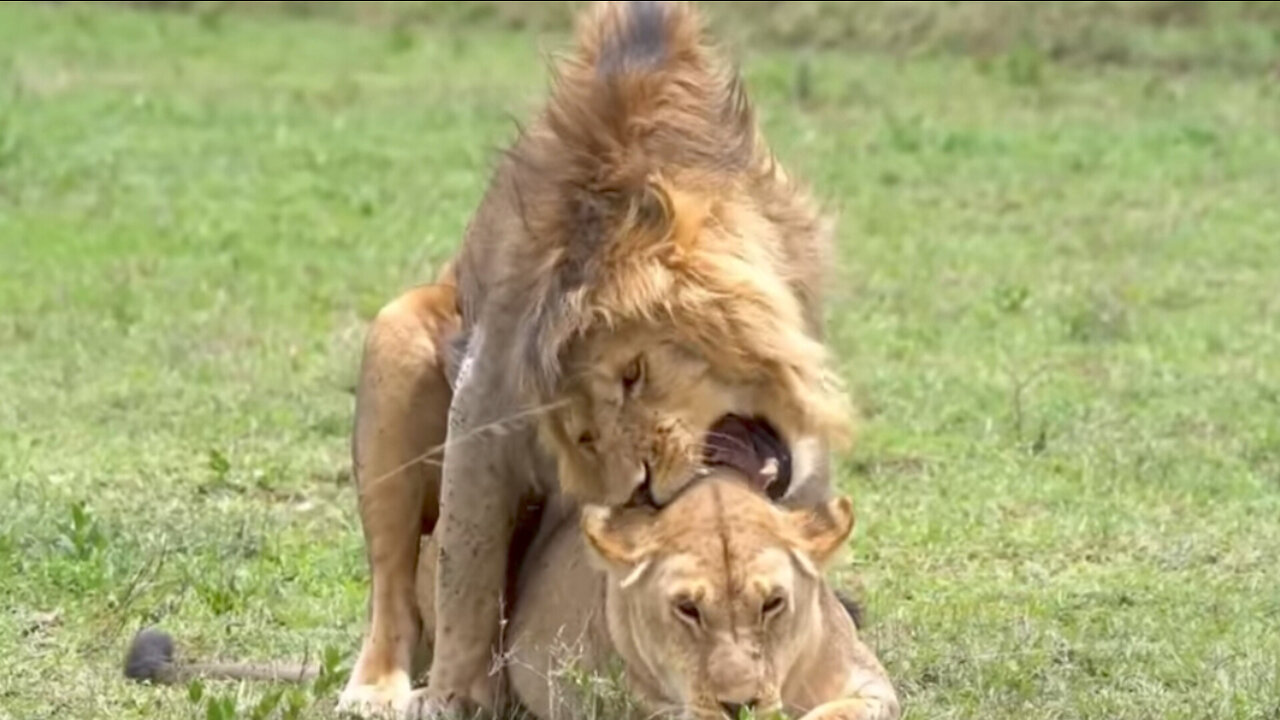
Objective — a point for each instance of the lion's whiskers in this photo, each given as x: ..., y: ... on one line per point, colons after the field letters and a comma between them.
x: 497, y: 428
x: 742, y: 444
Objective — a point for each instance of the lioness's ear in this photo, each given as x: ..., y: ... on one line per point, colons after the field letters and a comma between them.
x: 619, y: 537
x: 821, y: 531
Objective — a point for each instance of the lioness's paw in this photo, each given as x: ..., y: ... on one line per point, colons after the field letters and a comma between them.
x: 374, y: 702
x: 423, y: 705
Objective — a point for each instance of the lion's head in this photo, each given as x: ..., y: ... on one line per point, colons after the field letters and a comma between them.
x: 667, y: 293
x: 722, y: 586
x: 646, y: 406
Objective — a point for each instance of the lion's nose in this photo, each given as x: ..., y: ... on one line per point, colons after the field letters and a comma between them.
x: 734, y: 710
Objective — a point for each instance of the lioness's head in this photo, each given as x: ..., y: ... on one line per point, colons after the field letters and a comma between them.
x: 666, y: 280
x: 713, y: 599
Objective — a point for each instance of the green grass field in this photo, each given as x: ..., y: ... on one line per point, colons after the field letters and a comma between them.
x: 1058, y: 301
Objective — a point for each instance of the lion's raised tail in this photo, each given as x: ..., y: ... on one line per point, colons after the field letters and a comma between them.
x: 151, y: 658
x: 642, y: 91
x: 641, y: 36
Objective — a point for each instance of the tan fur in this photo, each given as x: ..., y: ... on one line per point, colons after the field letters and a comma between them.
x: 611, y: 590
x: 639, y: 267
x: 401, y: 413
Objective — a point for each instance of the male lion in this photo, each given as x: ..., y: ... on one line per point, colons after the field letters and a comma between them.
x: 636, y: 297
x: 713, y: 605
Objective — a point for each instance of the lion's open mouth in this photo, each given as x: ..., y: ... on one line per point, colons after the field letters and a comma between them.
x: 753, y: 447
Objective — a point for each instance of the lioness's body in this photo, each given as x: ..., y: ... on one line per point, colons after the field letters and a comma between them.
x: 572, y: 618
x: 601, y: 592
x: 638, y: 268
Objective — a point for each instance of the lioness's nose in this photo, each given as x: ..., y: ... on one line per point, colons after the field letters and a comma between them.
x: 734, y: 710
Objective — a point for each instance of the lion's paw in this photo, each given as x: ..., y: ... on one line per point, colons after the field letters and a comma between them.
x: 425, y: 705
x: 384, y: 701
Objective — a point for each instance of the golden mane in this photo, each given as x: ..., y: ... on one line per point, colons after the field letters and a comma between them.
x: 647, y: 195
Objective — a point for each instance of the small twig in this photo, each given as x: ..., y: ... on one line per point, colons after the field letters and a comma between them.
x: 1021, y: 384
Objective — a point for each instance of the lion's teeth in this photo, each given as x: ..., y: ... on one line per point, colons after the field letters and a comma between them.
x: 770, y: 469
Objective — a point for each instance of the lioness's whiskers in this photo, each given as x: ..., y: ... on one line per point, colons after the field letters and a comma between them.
x: 664, y: 711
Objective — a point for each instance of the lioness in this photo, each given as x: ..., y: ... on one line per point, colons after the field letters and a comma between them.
x: 637, y: 296
x: 714, y: 604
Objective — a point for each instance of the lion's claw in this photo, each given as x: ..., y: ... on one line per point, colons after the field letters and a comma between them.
x: 424, y: 705
x: 374, y: 702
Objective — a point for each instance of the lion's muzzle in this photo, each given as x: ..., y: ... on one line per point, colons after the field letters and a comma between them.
x: 753, y: 447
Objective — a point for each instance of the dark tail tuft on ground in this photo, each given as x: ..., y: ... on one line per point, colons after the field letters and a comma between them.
x: 852, y: 607
x: 150, y: 657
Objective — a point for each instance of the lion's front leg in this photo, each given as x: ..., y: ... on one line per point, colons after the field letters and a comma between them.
x: 402, y: 406
x: 485, y: 477
x: 853, y: 709
x: 868, y: 693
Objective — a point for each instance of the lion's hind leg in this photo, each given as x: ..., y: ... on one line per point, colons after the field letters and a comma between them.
x: 402, y: 409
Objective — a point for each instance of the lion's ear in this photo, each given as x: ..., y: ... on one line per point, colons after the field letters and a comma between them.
x: 669, y: 215
x: 821, y: 531
x: 653, y: 207
x: 619, y: 537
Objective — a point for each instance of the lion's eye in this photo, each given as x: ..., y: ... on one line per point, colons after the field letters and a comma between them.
x: 688, y: 611
x: 772, y: 606
x: 586, y: 438
x: 633, y: 373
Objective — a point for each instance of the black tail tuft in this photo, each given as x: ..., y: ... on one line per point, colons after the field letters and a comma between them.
x: 640, y: 43
x: 852, y: 607
x: 150, y: 657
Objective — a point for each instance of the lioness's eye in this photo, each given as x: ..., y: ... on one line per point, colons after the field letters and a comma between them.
x: 633, y: 373
x: 772, y: 606
x: 688, y: 612
x: 586, y: 438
